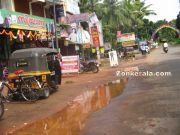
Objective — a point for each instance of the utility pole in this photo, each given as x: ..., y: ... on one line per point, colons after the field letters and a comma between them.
x: 55, y: 26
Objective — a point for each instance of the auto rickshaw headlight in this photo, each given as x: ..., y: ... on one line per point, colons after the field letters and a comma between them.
x: 11, y: 85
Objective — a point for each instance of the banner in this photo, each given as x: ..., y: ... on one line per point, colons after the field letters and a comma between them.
x: 70, y: 64
x: 16, y: 20
x: 95, y: 36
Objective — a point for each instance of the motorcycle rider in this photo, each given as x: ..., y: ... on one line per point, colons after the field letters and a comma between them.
x: 165, y: 47
x: 143, y: 49
x: 147, y: 49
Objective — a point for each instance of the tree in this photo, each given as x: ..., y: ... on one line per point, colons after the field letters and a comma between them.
x: 88, y: 5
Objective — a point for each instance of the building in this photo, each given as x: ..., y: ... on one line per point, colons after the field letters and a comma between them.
x: 23, y: 26
x: 31, y: 24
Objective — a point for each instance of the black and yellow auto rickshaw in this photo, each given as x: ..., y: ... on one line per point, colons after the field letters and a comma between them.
x: 38, y: 63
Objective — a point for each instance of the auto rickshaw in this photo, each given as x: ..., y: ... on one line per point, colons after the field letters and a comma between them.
x: 37, y: 63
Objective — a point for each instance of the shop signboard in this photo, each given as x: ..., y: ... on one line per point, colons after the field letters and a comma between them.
x: 76, y: 18
x: 95, y: 36
x: 70, y: 64
x: 16, y: 20
x: 126, y: 37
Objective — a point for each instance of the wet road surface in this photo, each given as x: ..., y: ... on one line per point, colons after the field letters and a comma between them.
x: 18, y: 115
x: 148, y: 105
x: 72, y: 118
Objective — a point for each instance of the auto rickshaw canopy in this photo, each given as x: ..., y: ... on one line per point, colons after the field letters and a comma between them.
x: 32, y: 60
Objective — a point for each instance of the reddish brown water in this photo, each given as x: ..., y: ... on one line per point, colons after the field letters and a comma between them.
x: 71, y: 119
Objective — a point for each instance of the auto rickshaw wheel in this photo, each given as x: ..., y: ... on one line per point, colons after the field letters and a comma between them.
x: 27, y: 92
x: 1, y: 109
x: 46, y: 92
x: 94, y: 69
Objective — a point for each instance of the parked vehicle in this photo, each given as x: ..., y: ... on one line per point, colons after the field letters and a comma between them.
x: 38, y: 63
x: 22, y: 90
x: 89, y: 66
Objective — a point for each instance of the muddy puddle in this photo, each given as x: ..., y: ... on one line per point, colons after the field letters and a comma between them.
x: 72, y: 118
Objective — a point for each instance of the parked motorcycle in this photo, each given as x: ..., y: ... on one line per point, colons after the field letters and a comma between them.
x: 88, y: 66
x: 165, y: 49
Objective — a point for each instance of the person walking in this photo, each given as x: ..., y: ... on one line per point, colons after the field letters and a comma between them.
x: 57, y: 69
x: 5, y: 73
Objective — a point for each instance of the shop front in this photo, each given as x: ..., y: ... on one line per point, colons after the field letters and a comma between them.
x: 18, y: 31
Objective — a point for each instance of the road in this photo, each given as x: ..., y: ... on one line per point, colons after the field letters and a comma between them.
x: 148, y: 105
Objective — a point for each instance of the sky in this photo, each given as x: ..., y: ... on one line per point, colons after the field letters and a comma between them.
x: 165, y: 9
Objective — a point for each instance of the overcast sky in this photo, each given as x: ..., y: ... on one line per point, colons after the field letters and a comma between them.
x: 165, y: 9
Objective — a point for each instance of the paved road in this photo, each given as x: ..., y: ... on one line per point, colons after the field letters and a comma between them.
x: 148, y: 106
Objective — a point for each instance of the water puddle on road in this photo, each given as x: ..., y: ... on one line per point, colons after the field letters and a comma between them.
x: 72, y: 118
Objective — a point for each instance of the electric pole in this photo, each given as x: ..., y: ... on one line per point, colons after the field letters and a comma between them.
x: 55, y: 26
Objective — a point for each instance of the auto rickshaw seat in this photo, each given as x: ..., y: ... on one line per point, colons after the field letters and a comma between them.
x: 18, y: 72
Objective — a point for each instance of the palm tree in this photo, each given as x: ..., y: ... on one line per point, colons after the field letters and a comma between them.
x: 125, y: 15
x: 88, y: 5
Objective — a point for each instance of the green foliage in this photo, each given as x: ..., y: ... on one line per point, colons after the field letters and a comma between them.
x: 175, y: 41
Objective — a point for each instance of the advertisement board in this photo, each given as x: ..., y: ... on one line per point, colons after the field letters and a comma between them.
x: 70, y: 64
x: 95, y: 36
